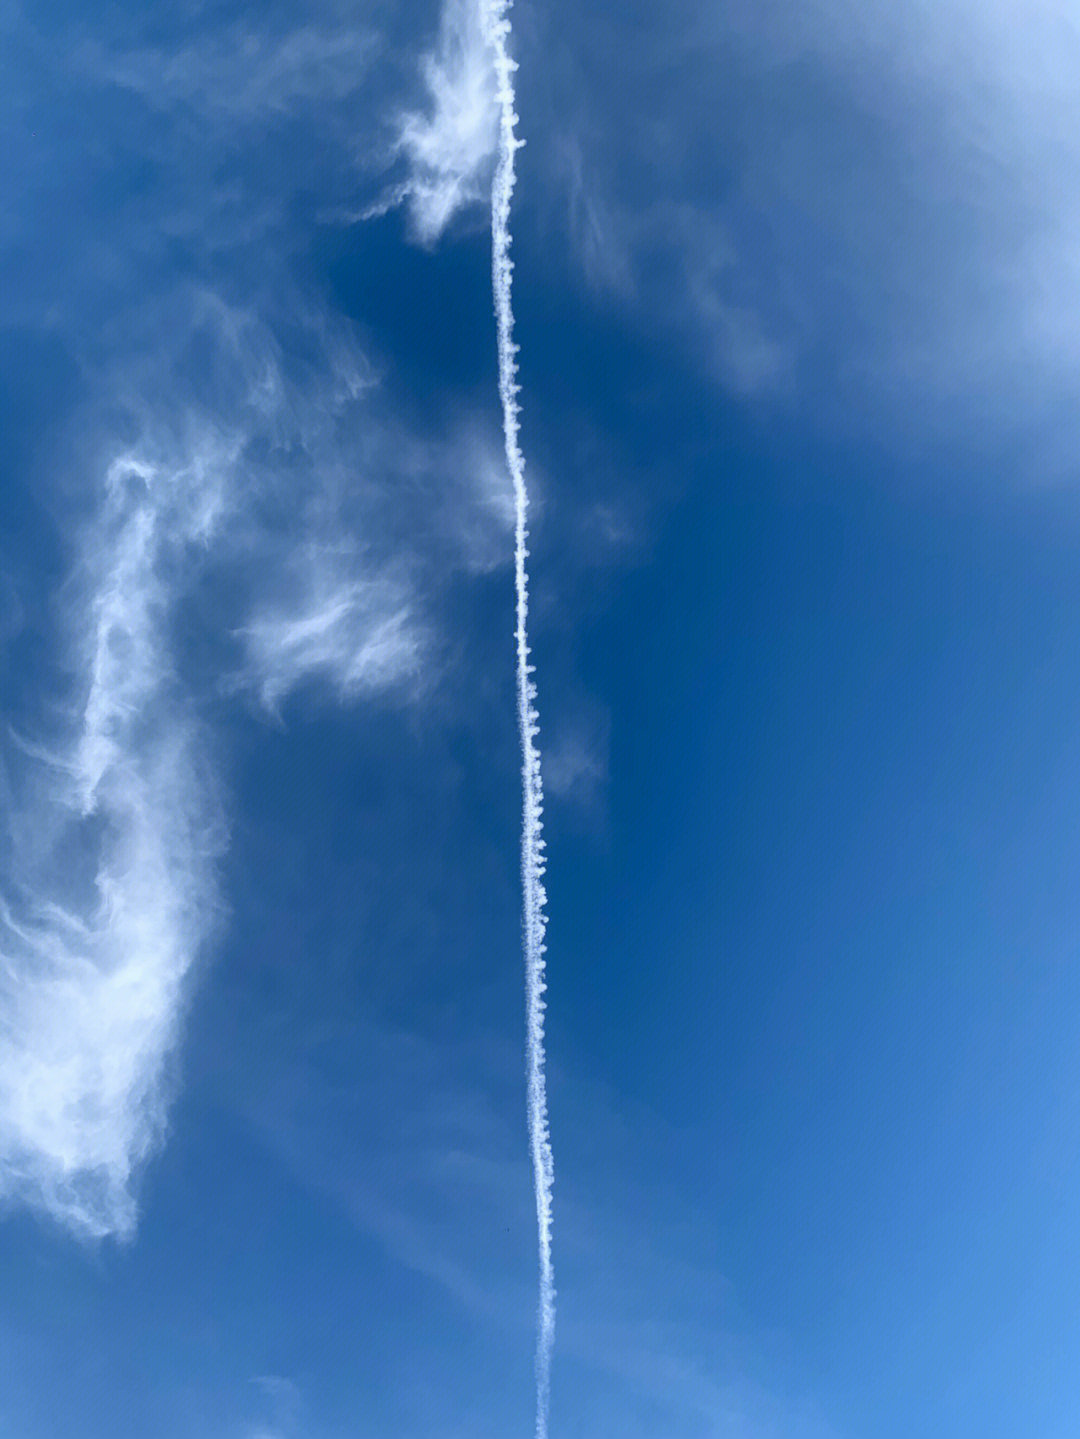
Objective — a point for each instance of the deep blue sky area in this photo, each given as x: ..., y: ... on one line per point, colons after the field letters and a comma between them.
x: 797, y: 300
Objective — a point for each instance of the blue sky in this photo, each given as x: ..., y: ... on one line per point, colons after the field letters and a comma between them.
x: 796, y: 292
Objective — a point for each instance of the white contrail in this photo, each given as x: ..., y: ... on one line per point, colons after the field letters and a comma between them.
x: 497, y: 28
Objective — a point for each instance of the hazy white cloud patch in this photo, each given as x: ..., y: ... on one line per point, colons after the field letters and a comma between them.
x: 257, y: 518
x: 473, y: 507
x: 271, y: 502
x: 597, y: 233
x: 576, y: 759
x: 923, y: 237
x: 675, y: 262
x: 880, y: 224
x: 734, y: 335
x: 282, y: 1402
x: 449, y: 147
x: 242, y: 72
x: 360, y: 635
x: 93, y: 975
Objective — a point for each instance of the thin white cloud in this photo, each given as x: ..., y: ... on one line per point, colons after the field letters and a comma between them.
x: 327, y: 565
x: 674, y: 261
x: 450, y: 148
x: 473, y: 507
x: 360, y: 635
x: 93, y: 978
x: 275, y: 478
x: 271, y: 505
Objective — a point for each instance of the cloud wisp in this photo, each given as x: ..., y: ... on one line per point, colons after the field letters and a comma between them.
x: 497, y: 29
x: 358, y: 634
x: 449, y: 149
x: 108, y: 896
x: 93, y: 980
x: 243, y: 74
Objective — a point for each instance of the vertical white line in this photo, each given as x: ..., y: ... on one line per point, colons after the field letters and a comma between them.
x: 497, y: 27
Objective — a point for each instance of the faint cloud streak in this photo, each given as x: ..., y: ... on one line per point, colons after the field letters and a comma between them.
x: 92, y: 986
x: 450, y: 147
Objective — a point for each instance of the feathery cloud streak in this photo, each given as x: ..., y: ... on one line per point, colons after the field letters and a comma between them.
x: 110, y: 896
x: 265, y: 501
x: 358, y: 634
x: 92, y: 986
x: 449, y: 149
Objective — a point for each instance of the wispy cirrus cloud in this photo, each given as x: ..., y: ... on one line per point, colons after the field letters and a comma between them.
x: 255, y: 517
x: 243, y: 73
x: 99, y: 955
x: 258, y: 534
x: 449, y: 146
x: 361, y: 635
x: 94, y: 976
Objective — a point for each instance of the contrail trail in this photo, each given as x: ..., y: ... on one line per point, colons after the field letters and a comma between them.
x: 497, y: 29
